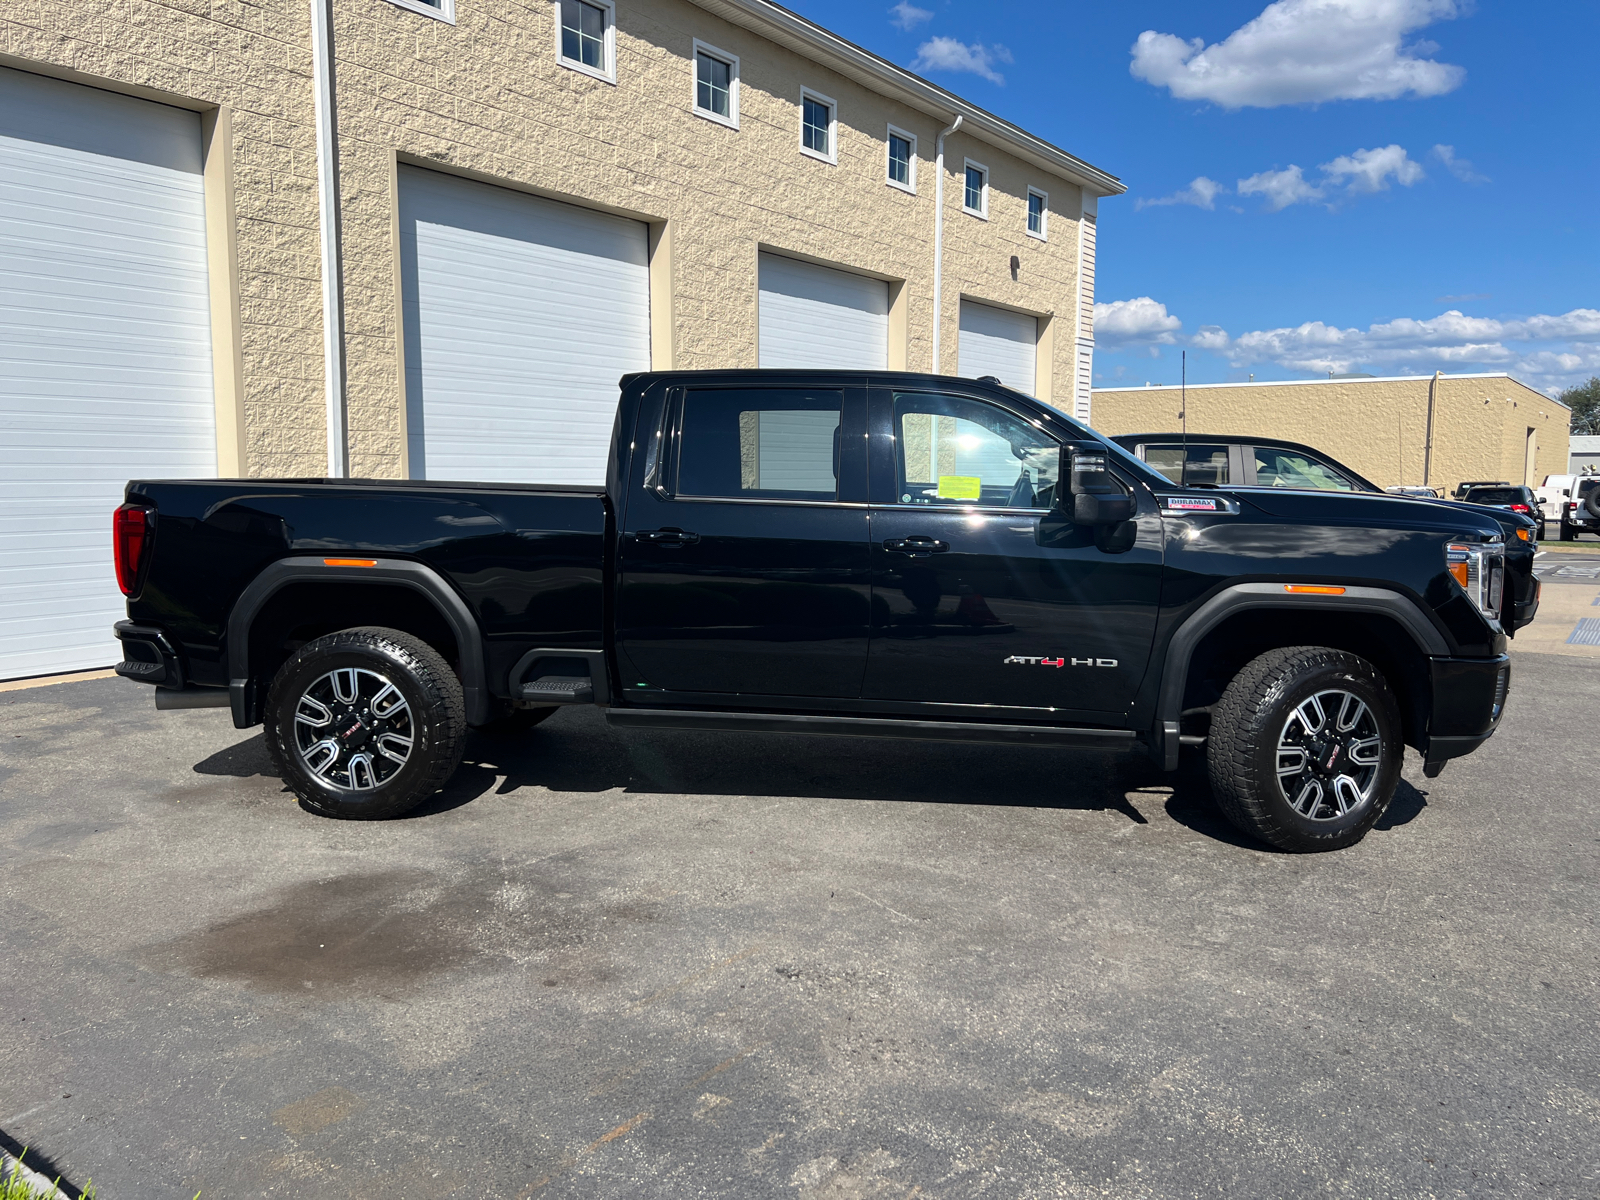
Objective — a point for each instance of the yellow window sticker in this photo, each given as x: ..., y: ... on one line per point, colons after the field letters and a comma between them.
x: 959, y: 487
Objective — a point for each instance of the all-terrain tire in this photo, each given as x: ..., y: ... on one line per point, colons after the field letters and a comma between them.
x: 1265, y: 721
x: 365, y: 723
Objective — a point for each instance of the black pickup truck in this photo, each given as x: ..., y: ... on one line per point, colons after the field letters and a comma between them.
x: 883, y: 555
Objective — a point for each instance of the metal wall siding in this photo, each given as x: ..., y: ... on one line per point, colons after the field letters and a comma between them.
x: 813, y: 316
x: 520, y: 316
x: 997, y: 342
x: 105, y: 349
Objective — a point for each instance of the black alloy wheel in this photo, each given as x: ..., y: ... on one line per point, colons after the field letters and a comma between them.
x: 1305, y: 748
x: 365, y: 723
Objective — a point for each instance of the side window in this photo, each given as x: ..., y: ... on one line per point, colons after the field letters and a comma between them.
x: 954, y: 450
x: 1204, y: 464
x: 1291, y: 469
x: 759, y: 444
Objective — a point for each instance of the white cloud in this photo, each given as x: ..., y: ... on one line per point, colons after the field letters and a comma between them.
x: 1544, y: 350
x: 1369, y: 170
x: 1359, y: 173
x: 908, y: 16
x: 1459, y: 167
x: 1305, y: 52
x: 1140, y: 321
x: 1201, y: 192
x: 1281, y: 188
x: 947, y: 54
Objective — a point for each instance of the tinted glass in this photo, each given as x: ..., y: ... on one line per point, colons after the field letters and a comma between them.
x: 815, y: 133
x: 1499, y: 496
x: 953, y: 450
x: 1293, y: 469
x: 1206, y: 464
x: 761, y: 443
x: 711, y: 85
x: 1035, y: 214
x: 583, y: 33
x: 1585, y: 488
x: 899, y: 159
x: 974, y: 198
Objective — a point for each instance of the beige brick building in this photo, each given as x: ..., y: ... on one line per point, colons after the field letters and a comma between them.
x: 426, y: 237
x: 1483, y: 426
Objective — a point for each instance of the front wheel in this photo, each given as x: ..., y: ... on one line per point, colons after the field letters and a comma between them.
x: 1305, y: 748
x: 365, y: 723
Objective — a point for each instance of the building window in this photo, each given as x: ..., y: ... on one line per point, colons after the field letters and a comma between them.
x: 1038, y: 214
x: 716, y: 84
x: 443, y: 10
x: 902, y: 160
x: 587, y: 37
x: 819, y: 126
x: 975, y: 198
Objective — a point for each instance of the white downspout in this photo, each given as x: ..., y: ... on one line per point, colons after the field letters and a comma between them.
x: 328, y: 205
x: 938, y: 245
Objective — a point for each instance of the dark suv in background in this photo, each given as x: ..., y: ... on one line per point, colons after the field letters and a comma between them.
x: 1513, y: 499
x: 1232, y: 460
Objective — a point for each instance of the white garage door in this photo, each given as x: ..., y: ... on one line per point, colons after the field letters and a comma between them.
x: 105, y: 349
x: 818, y: 317
x: 521, y: 314
x: 999, y: 343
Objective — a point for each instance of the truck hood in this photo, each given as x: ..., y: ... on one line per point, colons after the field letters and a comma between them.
x: 1376, y: 509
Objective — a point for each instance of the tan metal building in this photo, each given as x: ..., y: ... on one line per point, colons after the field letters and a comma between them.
x: 425, y: 237
x: 1420, y: 430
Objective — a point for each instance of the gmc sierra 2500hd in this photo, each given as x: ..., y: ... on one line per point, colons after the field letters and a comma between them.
x: 884, y: 555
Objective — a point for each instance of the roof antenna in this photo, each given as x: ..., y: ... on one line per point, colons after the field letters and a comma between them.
x: 1183, y: 415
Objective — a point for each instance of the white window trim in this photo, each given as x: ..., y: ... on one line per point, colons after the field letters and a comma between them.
x: 444, y: 11
x: 911, y: 169
x: 1044, y: 217
x: 732, y: 119
x: 832, y: 156
x: 609, y: 75
x: 981, y: 213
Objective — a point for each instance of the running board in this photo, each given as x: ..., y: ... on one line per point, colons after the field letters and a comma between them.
x: 871, y: 727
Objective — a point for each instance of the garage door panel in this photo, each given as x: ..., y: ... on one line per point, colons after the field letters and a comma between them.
x: 998, y: 342
x: 821, y: 318
x: 521, y: 315
x: 105, y: 350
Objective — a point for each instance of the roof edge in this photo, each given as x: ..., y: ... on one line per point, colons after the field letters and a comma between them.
x: 778, y: 24
x: 1173, y: 387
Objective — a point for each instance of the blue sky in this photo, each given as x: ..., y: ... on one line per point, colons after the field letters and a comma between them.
x: 1446, y: 156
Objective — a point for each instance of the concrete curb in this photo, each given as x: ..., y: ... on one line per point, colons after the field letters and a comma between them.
x: 44, y: 1188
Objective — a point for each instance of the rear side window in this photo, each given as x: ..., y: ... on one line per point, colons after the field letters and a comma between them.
x: 955, y: 450
x: 765, y: 443
x: 1293, y: 469
x: 1586, y: 488
x: 1203, y: 464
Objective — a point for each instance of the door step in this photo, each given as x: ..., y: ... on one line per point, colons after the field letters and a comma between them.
x: 557, y: 689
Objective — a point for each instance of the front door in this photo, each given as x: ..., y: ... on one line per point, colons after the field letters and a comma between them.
x: 984, y: 601
x: 744, y: 560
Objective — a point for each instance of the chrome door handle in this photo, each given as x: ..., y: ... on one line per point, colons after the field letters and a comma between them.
x: 916, y: 547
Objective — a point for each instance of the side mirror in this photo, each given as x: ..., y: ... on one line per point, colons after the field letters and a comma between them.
x: 1097, y: 497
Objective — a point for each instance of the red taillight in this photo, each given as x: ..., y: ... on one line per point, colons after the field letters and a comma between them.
x: 1521, y: 508
x: 131, y: 527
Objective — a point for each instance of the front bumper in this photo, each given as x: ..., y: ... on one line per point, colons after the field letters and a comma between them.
x: 1469, y: 697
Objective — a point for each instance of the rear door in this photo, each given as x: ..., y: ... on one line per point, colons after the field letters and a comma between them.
x: 985, y: 603
x: 743, y: 557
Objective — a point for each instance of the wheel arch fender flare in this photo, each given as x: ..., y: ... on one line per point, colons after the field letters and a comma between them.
x: 1242, y: 596
x: 416, y: 576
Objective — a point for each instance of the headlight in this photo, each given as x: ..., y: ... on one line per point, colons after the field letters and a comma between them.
x: 1480, y: 570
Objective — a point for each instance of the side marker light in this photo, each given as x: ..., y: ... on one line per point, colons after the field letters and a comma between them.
x: 1313, y: 589
x: 349, y: 562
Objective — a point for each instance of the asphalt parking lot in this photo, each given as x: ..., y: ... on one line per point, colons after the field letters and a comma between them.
x: 724, y: 966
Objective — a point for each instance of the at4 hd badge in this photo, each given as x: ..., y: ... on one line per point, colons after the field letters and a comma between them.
x: 1022, y: 661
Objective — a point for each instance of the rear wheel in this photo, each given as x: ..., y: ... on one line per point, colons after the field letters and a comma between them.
x: 1305, y: 748
x: 365, y: 723
x: 1566, y: 532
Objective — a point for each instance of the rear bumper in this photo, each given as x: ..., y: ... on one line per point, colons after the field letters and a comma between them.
x: 1469, y: 697
x: 148, y: 655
